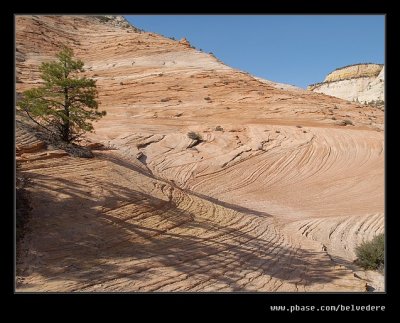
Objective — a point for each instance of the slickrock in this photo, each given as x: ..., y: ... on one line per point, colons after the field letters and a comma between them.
x: 26, y: 141
x: 245, y: 205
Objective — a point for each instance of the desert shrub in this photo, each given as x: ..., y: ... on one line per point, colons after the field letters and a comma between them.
x: 347, y: 121
x: 194, y: 135
x: 103, y: 18
x: 371, y: 254
x: 219, y: 128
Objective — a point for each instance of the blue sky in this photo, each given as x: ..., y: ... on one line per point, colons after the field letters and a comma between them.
x: 297, y: 49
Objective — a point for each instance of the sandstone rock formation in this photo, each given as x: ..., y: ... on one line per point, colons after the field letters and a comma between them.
x: 354, y: 71
x: 281, y: 86
x: 363, y: 83
x: 248, y: 206
x: 185, y: 42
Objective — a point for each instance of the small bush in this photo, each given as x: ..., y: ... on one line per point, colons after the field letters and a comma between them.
x: 207, y: 98
x: 347, y: 121
x: 194, y: 136
x: 371, y: 254
x: 219, y: 128
x: 103, y: 18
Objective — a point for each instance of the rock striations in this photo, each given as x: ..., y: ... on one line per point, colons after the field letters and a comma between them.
x: 364, y: 83
x: 271, y: 191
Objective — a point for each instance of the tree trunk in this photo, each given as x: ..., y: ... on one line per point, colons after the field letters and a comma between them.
x: 66, y: 124
x: 65, y: 132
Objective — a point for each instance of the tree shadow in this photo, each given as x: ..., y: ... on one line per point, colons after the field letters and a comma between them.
x: 130, y: 240
x: 132, y: 167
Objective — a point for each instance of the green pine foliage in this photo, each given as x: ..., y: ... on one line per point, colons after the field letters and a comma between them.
x: 66, y: 104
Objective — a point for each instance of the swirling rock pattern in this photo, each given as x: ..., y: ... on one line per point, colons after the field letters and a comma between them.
x: 274, y: 197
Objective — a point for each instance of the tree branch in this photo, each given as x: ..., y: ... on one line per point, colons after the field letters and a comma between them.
x: 30, y: 117
x: 52, y: 101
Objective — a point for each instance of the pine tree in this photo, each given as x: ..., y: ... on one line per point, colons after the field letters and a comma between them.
x: 65, y: 105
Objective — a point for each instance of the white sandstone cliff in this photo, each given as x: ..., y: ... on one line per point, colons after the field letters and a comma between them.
x: 364, y: 83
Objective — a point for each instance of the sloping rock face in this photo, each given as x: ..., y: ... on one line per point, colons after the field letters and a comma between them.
x: 364, y: 83
x: 268, y: 194
x: 354, y: 71
x: 375, y: 91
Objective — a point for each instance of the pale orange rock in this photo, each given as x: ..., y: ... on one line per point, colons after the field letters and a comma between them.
x: 185, y: 42
x: 244, y: 207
